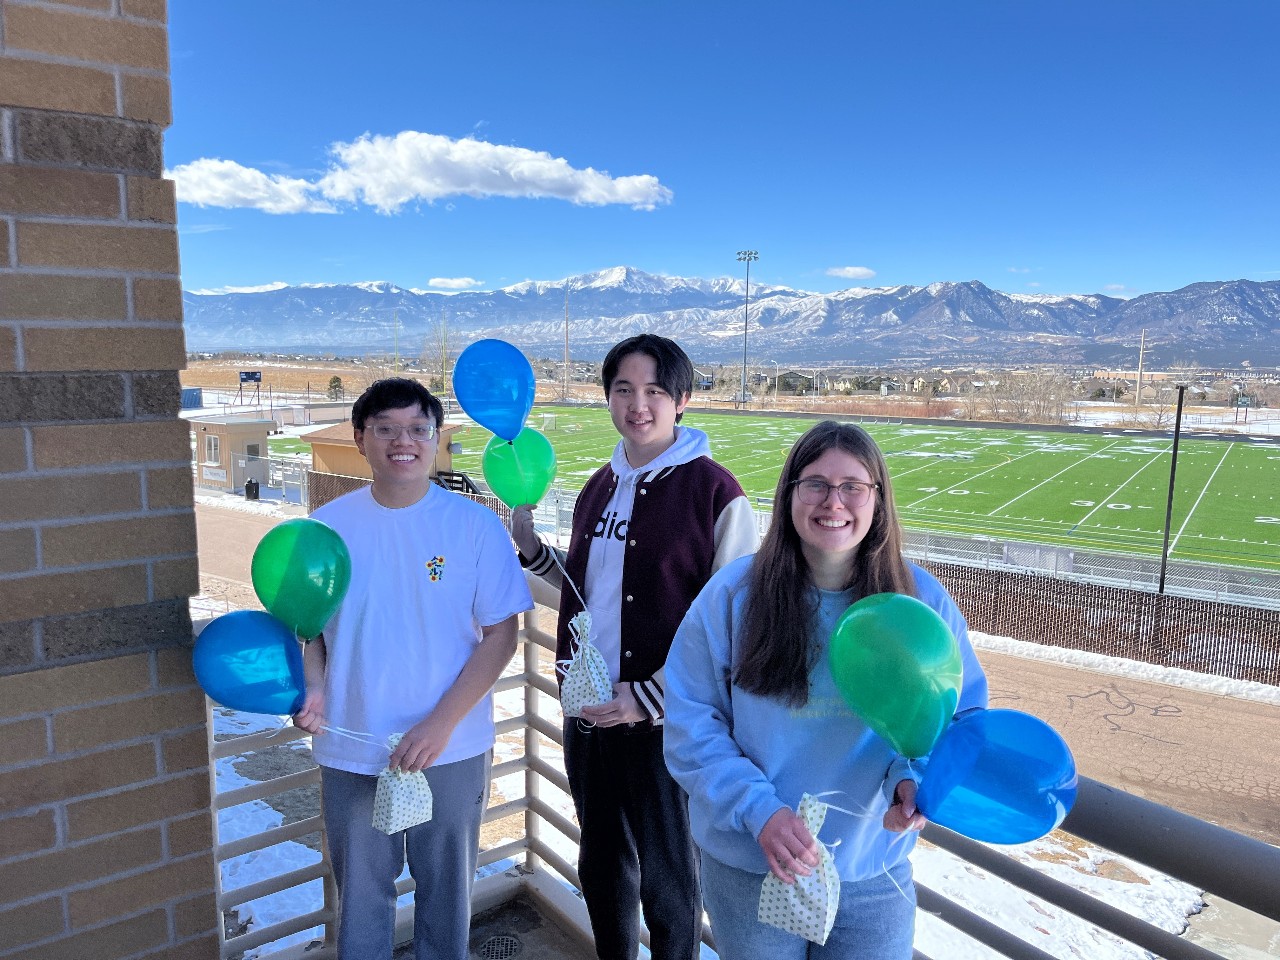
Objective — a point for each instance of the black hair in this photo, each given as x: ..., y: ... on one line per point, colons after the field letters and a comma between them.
x: 675, y: 369
x: 395, y: 393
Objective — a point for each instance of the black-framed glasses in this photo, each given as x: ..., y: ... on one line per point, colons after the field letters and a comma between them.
x: 421, y: 432
x: 814, y: 491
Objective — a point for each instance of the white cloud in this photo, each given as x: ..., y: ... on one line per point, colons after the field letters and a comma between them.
x: 1115, y: 287
x: 203, y: 228
x: 851, y: 273
x: 225, y: 183
x: 263, y: 288
x: 1019, y: 269
x: 1034, y: 284
x: 453, y: 283
x: 388, y: 172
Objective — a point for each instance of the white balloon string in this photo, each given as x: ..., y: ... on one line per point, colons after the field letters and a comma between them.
x: 358, y: 736
x: 555, y: 555
x: 867, y: 812
x: 884, y: 863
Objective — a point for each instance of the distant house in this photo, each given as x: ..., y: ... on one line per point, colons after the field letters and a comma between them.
x: 333, y: 450
x: 229, y: 450
x: 793, y: 381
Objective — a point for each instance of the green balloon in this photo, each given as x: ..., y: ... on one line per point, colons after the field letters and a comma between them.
x: 898, y: 666
x: 519, y: 471
x: 301, y: 571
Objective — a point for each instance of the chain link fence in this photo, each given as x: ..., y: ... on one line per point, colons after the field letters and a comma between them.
x: 279, y: 478
x: 1223, y: 621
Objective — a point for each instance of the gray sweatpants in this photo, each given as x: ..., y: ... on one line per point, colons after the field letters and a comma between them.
x: 441, y: 854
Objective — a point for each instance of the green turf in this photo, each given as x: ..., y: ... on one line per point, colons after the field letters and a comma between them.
x: 285, y: 446
x: 1102, y: 490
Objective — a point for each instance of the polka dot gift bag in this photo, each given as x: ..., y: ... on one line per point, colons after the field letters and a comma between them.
x: 807, y: 907
x: 403, y: 799
x: 586, y: 676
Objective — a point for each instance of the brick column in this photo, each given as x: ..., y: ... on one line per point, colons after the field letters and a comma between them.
x: 105, y: 829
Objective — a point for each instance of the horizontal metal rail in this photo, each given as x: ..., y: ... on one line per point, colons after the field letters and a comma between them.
x: 1097, y: 912
x: 1212, y: 858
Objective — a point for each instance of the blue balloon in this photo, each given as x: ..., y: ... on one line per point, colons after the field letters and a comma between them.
x: 999, y: 776
x: 248, y: 660
x: 494, y: 384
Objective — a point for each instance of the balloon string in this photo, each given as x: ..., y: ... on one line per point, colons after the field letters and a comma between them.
x: 359, y: 736
x: 555, y: 555
x: 356, y: 735
x: 868, y: 812
x: 884, y: 863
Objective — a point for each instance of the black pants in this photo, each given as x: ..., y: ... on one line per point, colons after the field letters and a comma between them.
x: 636, y: 848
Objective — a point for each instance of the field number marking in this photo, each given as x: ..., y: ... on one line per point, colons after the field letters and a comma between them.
x: 1072, y: 466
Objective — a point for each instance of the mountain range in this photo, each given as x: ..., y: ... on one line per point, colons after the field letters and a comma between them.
x: 955, y: 325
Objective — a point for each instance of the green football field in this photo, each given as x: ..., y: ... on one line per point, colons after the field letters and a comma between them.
x: 1104, y: 490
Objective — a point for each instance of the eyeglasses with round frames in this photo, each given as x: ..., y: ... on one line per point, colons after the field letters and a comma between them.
x: 421, y: 432
x: 814, y: 491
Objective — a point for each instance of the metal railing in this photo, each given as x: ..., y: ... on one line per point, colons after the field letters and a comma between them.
x: 1222, y: 863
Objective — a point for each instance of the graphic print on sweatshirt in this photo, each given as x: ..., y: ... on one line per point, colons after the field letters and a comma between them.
x: 604, y: 573
x: 609, y: 527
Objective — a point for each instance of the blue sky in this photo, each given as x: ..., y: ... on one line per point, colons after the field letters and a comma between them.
x: 1086, y: 147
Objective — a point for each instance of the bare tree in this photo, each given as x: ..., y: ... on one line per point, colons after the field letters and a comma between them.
x: 1036, y: 397
x: 970, y: 400
x: 435, y: 355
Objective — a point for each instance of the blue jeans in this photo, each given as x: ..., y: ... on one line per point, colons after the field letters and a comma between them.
x: 874, y: 921
x: 442, y: 856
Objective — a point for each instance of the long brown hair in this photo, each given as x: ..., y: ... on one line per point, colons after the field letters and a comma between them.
x: 777, y: 652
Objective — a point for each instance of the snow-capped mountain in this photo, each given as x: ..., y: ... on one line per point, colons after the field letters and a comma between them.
x: 1219, y: 323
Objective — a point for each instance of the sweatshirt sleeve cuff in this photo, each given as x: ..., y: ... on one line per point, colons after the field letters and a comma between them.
x: 649, y: 695
x: 541, y: 563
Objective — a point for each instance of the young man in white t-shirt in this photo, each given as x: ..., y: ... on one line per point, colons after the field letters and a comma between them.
x: 426, y: 628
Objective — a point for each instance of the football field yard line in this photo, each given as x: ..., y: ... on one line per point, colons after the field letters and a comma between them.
x: 1205, y: 489
x: 1071, y: 466
x: 1103, y: 502
x: 970, y: 478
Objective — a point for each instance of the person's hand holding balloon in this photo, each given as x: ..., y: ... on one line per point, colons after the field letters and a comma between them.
x: 310, y: 716
x: 902, y: 813
x: 522, y: 530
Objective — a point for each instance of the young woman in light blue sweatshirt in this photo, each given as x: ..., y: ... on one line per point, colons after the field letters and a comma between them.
x: 754, y: 719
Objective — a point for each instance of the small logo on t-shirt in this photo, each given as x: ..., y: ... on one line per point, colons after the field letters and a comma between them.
x: 435, y: 567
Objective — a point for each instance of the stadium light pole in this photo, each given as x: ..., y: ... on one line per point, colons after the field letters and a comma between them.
x: 1173, y: 470
x: 747, y: 257
x: 775, y: 382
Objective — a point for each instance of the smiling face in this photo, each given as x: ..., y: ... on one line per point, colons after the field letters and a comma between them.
x: 830, y: 533
x: 401, y: 467
x: 642, y: 410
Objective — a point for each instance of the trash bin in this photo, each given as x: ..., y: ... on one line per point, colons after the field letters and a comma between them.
x: 251, y: 489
